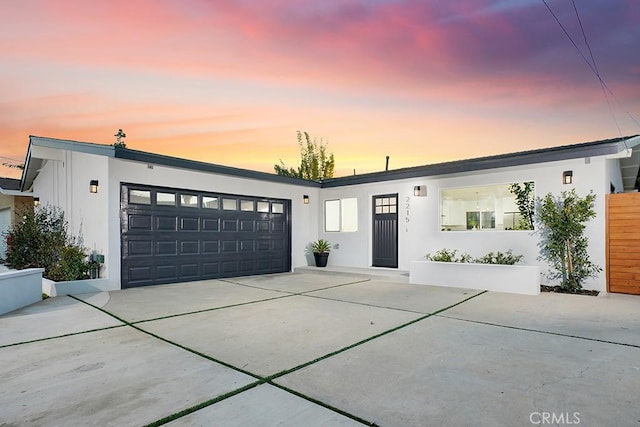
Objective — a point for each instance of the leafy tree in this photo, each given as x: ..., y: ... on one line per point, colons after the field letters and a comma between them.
x: 120, y: 136
x: 41, y: 239
x: 563, y: 245
x: 315, y: 161
x: 525, y: 202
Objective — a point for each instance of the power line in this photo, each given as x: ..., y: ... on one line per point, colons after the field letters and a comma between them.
x: 592, y: 66
x: 595, y: 66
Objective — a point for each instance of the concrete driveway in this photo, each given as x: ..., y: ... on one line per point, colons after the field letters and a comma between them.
x: 320, y: 349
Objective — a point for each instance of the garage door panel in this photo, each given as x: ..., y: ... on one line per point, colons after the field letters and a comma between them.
x: 229, y: 246
x: 211, y: 224
x: 247, y: 225
x: 189, y: 224
x: 230, y: 267
x: 246, y: 245
x: 189, y: 247
x: 189, y: 270
x: 166, y: 223
x: 140, y: 248
x: 229, y: 225
x: 167, y: 272
x: 247, y: 266
x: 173, y: 242
x: 167, y: 247
x: 211, y: 268
x: 210, y: 247
x: 140, y: 222
x: 263, y: 245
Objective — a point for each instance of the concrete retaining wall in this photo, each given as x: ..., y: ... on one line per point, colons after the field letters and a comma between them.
x: 19, y: 288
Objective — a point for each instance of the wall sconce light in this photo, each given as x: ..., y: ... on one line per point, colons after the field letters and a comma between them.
x: 36, y: 201
x: 93, y: 186
x: 305, y: 199
x: 567, y: 177
x: 420, y: 190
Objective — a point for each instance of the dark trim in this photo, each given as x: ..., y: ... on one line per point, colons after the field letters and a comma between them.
x: 566, y: 152
x: 158, y: 159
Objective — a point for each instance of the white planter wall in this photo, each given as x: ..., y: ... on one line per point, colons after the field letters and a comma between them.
x: 516, y: 279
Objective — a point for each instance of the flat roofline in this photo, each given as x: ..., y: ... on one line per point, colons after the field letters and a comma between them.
x: 552, y: 154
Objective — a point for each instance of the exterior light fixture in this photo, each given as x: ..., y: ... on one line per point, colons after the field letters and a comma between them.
x: 36, y: 201
x: 305, y: 199
x: 93, y: 186
x: 567, y: 177
x: 420, y: 190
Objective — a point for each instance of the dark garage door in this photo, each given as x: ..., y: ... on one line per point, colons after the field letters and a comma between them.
x: 171, y: 235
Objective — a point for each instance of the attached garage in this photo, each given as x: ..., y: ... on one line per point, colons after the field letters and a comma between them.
x: 174, y: 235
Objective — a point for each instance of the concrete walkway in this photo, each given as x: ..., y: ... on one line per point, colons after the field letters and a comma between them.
x: 320, y: 349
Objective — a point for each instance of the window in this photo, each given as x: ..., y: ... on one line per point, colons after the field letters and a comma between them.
x: 141, y: 197
x: 189, y: 200
x: 277, y: 208
x: 246, y: 205
x: 165, y: 199
x: 263, y: 206
x: 491, y: 207
x: 229, y: 204
x: 209, y: 202
x: 341, y: 215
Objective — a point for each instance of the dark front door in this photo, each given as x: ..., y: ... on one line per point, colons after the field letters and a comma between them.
x: 172, y: 235
x: 385, y: 230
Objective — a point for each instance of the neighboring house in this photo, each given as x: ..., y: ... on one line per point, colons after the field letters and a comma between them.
x: 160, y: 219
x: 12, y: 201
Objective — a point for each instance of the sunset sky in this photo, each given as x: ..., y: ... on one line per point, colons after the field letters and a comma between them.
x: 230, y: 82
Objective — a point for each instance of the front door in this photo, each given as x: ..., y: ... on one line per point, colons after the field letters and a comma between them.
x: 385, y: 231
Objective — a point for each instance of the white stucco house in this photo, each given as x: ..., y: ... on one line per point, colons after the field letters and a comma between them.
x: 160, y: 219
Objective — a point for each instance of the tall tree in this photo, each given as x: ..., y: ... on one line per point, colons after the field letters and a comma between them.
x: 316, y: 162
x: 561, y: 223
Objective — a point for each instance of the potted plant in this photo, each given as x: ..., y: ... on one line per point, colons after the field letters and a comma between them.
x: 320, y: 249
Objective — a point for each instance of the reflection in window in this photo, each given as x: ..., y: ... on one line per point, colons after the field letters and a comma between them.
x: 277, y: 208
x: 263, y: 206
x: 209, y: 202
x: 165, y: 199
x: 141, y: 197
x: 491, y: 207
x: 189, y: 200
x: 229, y: 204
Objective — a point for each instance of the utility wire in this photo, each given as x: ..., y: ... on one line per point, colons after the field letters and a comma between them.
x: 592, y: 66
x: 595, y: 66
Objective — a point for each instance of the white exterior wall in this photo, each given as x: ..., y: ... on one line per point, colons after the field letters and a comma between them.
x: 65, y: 182
x: 123, y: 171
x: 419, y: 217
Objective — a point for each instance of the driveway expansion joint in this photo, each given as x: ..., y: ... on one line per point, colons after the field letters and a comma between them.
x: 559, y: 334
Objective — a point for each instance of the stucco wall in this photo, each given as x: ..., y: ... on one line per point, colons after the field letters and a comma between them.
x: 419, y: 225
x: 65, y: 182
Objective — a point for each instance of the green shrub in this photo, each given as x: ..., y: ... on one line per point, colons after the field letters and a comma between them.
x: 72, y: 265
x: 41, y: 240
x: 450, y: 255
x: 507, y: 258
